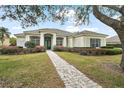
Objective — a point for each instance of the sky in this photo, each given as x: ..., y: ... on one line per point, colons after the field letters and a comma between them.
x: 94, y: 25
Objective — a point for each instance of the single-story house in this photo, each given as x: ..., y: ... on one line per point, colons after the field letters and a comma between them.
x: 113, y: 40
x: 55, y: 37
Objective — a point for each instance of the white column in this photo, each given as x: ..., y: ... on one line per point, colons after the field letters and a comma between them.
x: 27, y: 38
x: 103, y: 42
x: 64, y: 42
x: 41, y: 39
x: 72, y: 42
x: 54, y: 40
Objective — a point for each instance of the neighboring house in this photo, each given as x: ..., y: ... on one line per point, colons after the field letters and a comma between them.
x: 55, y: 37
x: 113, y: 40
x: 6, y: 42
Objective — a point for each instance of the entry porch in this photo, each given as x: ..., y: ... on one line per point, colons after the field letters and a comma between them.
x: 48, y: 40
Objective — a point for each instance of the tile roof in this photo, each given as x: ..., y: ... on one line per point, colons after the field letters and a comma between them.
x: 19, y: 35
x: 89, y: 33
x: 61, y: 33
x: 113, y: 39
x: 57, y: 31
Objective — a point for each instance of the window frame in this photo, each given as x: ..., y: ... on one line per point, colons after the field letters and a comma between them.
x: 59, y: 41
x: 35, y: 39
x: 95, y: 42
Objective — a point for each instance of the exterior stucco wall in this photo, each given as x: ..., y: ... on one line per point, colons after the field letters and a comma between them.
x: 27, y: 38
x: 70, y: 42
x: 64, y: 41
x: 21, y: 42
x: 87, y: 41
x: 84, y: 41
x: 103, y: 41
x: 78, y: 42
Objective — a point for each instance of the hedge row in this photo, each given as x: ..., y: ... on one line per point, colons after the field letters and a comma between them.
x: 115, y: 45
x: 17, y: 50
x: 101, y: 51
x: 90, y: 51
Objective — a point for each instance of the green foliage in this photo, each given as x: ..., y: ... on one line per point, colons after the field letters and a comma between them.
x: 90, y: 51
x: 61, y: 48
x: 115, y: 45
x: 32, y: 15
x: 14, y: 50
x: 12, y: 41
x: 110, y: 47
x: 39, y: 49
x: 10, y: 50
x: 30, y: 44
x: 114, y: 51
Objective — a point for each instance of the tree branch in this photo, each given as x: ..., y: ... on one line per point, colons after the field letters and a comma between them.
x: 112, y: 7
x: 120, y: 10
x: 115, y: 24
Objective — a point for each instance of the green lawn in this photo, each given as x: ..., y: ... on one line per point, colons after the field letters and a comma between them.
x: 102, y: 69
x: 31, y: 70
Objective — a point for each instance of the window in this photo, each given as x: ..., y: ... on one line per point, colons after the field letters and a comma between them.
x: 35, y: 39
x: 59, y: 41
x: 95, y: 42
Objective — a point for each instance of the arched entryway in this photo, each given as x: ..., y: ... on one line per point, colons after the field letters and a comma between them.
x: 48, y: 41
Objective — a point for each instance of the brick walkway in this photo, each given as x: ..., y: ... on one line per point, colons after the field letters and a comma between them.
x: 71, y: 77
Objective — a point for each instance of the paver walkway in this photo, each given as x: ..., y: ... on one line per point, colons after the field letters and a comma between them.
x: 71, y: 77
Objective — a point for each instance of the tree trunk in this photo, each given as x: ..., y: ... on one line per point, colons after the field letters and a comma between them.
x: 121, y: 36
x: 118, y: 26
x: 122, y: 59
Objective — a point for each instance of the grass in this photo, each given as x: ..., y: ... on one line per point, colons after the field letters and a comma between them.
x: 102, y: 69
x: 31, y: 70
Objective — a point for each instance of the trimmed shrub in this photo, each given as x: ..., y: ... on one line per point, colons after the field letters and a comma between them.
x: 115, y: 45
x: 19, y: 46
x: 60, y: 48
x: 11, y: 50
x: 74, y: 49
x: 15, y: 50
x: 30, y: 44
x: 94, y: 52
x: 110, y: 47
x: 38, y: 49
x: 90, y: 51
x: 27, y: 50
x: 12, y: 41
x: 114, y: 51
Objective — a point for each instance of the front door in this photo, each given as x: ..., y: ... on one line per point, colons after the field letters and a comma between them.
x: 47, y: 42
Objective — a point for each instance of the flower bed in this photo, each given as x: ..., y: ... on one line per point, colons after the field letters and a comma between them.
x: 14, y: 50
x: 61, y: 48
x: 90, y: 51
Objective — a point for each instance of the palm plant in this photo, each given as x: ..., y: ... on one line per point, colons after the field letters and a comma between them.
x: 3, y: 34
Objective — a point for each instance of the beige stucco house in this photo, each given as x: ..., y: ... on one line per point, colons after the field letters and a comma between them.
x: 6, y: 42
x: 55, y: 37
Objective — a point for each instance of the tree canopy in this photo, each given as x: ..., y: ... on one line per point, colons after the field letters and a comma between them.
x: 31, y: 15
